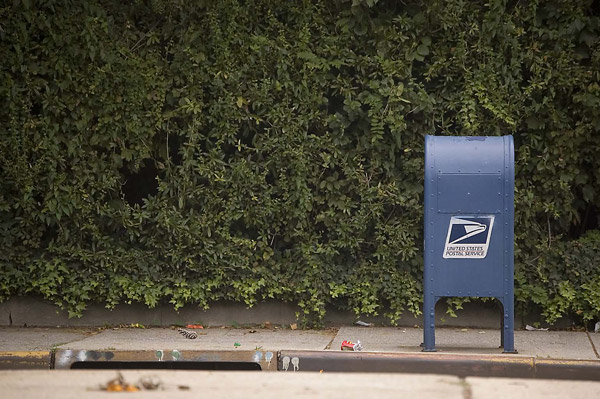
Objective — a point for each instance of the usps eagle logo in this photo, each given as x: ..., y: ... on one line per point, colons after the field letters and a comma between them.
x: 468, y: 237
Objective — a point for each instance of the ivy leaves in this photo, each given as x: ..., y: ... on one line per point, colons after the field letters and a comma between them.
x: 191, y: 153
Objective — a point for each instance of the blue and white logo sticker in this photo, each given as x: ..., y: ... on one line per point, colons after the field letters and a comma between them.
x: 468, y: 237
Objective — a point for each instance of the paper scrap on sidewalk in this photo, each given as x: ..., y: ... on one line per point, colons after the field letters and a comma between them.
x: 188, y: 334
x: 531, y: 328
x: 363, y: 324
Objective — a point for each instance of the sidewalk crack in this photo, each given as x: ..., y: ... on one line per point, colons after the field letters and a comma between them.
x: 592, y: 343
x: 328, y: 346
x: 467, y: 392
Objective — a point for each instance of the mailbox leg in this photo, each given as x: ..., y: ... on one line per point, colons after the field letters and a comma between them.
x: 502, y: 327
x: 429, y: 302
x: 507, y: 335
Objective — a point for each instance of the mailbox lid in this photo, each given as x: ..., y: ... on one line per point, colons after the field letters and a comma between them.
x: 469, y: 174
x: 466, y: 155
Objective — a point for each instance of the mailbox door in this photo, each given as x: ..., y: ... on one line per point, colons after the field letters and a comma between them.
x: 468, y: 199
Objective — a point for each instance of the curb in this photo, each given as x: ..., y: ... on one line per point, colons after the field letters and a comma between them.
x: 11, y: 360
x: 514, y: 366
x: 460, y: 365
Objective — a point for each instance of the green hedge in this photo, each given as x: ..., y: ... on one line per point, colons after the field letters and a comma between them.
x: 195, y: 151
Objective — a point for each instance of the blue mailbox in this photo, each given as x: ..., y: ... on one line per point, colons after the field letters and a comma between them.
x: 469, y: 226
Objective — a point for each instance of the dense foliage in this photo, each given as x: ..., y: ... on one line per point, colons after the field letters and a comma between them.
x: 194, y: 151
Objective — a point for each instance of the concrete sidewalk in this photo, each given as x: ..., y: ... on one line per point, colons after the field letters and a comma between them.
x: 388, y: 348
x: 185, y: 384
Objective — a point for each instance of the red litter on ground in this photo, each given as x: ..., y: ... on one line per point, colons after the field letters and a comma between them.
x: 198, y: 326
x: 350, y: 346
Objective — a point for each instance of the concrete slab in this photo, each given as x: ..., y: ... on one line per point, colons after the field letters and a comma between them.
x: 502, y: 388
x: 380, y: 339
x: 39, y: 339
x: 35, y: 311
x: 216, y: 385
x: 386, y: 339
x: 543, y: 344
x: 595, y: 338
x: 208, y: 339
x: 32, y: 311
x: 5, y: 316
x: 229, y: 313
x: 555, y: 344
